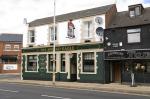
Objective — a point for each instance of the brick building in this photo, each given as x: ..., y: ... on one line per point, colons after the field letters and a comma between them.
x: 10, y: 50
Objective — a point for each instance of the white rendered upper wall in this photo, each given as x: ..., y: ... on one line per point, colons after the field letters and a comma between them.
x: 42, y: 35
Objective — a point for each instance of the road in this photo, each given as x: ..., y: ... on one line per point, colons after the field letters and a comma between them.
x: 9, y: 76
x: 20, y: 91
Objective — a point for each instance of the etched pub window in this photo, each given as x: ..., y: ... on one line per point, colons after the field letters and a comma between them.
x: 32, y: 63
x: 50, y: 66
x: 63, y: 63
x: 88, y: 62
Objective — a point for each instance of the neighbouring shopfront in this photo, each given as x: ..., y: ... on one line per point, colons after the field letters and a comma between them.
x: 83, y: 63
x: 120, y: 65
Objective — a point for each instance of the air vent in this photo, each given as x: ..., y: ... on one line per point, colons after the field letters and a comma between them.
x: 51, y: 43
x: 30, y: 45
x: 86, y: 41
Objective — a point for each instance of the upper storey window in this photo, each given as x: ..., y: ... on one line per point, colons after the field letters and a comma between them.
x: 51, y: 33
x: 135, y: 10
x: 134, y: 35
x: 31, y: 36
x: 87, y: 29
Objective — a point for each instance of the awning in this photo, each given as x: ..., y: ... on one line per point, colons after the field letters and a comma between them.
x: 8, y: 57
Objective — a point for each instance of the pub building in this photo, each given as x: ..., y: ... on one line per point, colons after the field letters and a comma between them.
x: 126, y: 46
x: 79, y: 49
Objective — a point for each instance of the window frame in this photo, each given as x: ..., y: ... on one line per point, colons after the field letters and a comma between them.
x: 36, y: 61
x: 133, y: 32
x: 8, y: 47
x: 16, y: 47
x: 31, y: 37
x: 62, y: 59
x: 88, y: 31
x: 94, y: 66
x: 50, y: 62
x: 51, y: 33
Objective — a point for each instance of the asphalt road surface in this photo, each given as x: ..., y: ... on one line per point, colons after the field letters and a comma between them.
x: 20, y: 91
x: 9, y: 76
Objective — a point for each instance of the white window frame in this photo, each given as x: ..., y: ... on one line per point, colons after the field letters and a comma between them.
x: 31, y: 36
x: 133, y: 36
x: 51, y: 33
x: 52, y: 61
x: 88, y: 31
x: 61, y: 61
x: 95, y: 62
x: 7, y: 47
x: 16, y: 47
x: 26, y: 69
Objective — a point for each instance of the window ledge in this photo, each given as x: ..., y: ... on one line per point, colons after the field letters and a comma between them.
x: 88, y: 73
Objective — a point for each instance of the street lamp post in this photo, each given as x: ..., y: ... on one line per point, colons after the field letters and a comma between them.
x: 54, y: 19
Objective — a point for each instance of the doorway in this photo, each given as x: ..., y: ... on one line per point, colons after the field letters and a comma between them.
x: 117, y: 71
x: 73, y: 67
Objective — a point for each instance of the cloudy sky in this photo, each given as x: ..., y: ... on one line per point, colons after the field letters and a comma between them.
x: 12, y: 12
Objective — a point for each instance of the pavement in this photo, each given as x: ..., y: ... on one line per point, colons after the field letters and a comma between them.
x: 112, y: 87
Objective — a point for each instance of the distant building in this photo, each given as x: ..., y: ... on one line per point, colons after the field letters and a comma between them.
x: 10, y: 53
x: 79, y: 46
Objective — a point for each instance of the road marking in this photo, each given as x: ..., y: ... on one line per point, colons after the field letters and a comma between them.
x: 9, y: 90
x: 56, y: 97
x: 115, y: 92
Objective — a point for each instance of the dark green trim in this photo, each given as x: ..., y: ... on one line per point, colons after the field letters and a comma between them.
x: 44, y: 76
x: 64, y: 48
x: 100, y: 76
x: 42, y: 63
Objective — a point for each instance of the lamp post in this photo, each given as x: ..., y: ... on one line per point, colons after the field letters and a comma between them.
x: 54, y: 20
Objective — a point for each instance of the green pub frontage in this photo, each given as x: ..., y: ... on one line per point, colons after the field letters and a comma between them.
x: 80, y: 62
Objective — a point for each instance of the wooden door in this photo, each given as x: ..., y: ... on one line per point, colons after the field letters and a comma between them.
x: 117, y: 72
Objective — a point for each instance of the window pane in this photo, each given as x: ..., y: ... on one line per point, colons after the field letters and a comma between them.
x: 16, y: 47
x: 32, y: 63
x: 88, y: 27
x: 31, y: 36
x: 63, y: 63
x: 134, y: 38
x: 132, y: 14
x: 7, y: 47
x: 88, y: 62
x: 137, y: 10
x: 50, y: 66
x: 52, y: 33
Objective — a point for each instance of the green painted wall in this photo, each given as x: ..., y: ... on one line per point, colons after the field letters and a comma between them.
x: 42, y: 71
x: 100, y: 76
x: 43, y: 75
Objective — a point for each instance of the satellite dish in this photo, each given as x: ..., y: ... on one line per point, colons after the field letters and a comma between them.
x: 100, y: 31
x: 98, y: 20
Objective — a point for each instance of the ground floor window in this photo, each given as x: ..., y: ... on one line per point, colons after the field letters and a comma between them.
x: 50, y: 66
x: 32, y: 63
x: 137, y: 66
x: 88, y: 62
x: 63, y: 63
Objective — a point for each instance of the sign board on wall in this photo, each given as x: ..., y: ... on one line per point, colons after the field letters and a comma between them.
x: 10, y: 67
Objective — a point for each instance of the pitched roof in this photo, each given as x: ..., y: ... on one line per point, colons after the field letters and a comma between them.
x: 11, y: 37
x: 122, y: 19
x: 73, y: 15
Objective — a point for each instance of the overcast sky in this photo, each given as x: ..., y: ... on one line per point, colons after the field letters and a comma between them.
x: 12, y: 12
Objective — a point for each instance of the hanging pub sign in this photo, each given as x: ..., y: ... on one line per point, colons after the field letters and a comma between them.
x: 71, y: 28
x: 134, y: 54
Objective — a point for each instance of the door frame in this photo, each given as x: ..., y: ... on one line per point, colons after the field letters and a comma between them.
x: 73, y: 70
